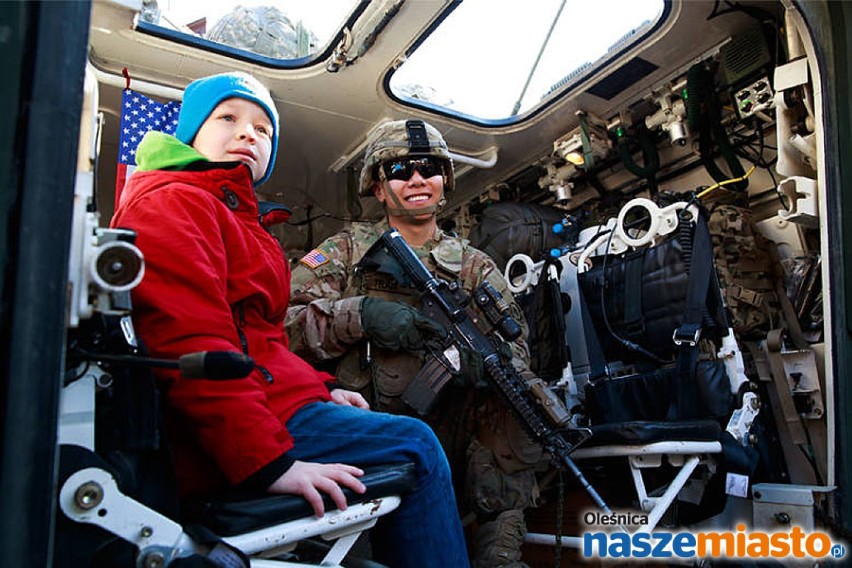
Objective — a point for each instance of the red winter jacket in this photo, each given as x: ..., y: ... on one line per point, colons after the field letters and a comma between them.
x: 216, y: 280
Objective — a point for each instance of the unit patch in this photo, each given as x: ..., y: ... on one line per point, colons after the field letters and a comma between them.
x: 314, y: 259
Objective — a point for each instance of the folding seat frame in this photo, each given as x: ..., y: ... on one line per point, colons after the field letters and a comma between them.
x: 685, y: 456
x: 91, y: 495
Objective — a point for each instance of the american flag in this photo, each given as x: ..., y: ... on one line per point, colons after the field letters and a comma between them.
x: 139, y: 114
x: 314, y: 259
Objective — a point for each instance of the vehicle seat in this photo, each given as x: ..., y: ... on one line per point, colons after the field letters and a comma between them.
x: 117, y: 492
x: 684, y: 444
x: 96, y: 493
x: 663, y: 365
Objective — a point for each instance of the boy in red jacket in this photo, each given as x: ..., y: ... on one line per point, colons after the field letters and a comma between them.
x: 216, y: 281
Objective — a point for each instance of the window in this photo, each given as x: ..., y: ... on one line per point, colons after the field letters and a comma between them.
x: 282, y: 30
x: 494, y: 60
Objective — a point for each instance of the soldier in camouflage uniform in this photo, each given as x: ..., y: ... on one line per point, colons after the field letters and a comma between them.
x: 363, y: 323
x: 264, y: 30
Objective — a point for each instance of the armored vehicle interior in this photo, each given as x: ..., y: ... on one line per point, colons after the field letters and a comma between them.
x: 584, y: 136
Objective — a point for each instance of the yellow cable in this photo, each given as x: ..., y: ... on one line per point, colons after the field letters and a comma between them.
x: 726, y: 182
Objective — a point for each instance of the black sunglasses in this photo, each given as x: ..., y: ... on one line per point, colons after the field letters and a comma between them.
x: 403, y: 168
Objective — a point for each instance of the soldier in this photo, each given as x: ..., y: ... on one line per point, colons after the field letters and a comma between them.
x: 264, y: 30
x: 368, y: 330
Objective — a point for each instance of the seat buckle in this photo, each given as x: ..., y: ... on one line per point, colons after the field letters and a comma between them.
x: 688, y: 333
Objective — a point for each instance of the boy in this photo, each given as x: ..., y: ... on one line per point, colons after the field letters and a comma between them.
x: 216, y: 281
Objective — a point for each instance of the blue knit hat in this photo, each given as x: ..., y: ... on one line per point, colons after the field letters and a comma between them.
x: 203, y: 95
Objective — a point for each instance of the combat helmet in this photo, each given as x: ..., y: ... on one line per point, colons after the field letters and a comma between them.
x: 403, y: 138
x: 264, y: 30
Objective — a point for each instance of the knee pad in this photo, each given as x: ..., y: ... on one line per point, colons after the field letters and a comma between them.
x: 491, y: 490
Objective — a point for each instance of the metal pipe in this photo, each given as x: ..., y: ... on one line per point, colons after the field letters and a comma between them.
x: 550, y: 540
x: 477, y: 162
x: 138, y: 85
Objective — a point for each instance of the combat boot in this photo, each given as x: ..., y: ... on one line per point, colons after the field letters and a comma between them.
x: 498, y: 542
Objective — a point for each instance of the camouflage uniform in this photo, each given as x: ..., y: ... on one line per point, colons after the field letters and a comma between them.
x: 489, y: 452
x: 264, y: 30
x: 744, y: 263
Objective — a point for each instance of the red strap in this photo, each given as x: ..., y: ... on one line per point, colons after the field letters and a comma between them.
x: 126, y: 78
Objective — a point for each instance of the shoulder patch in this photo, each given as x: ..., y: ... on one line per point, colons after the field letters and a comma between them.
x: 448, y: 255
x: 314, y: 259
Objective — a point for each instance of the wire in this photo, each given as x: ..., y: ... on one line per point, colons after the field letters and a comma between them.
x: 602, y: 230
x: 760, y: 160
x: 309, y: 219
x: 635, y: 347
x: 809, y: 456
x: 560, y: 515
x: 727, y: 182
x: 517, y: 105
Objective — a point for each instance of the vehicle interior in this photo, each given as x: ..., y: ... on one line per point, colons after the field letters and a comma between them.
x: 647, y: 161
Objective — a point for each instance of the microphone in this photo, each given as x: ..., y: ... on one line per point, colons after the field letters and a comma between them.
x: 213, y: 365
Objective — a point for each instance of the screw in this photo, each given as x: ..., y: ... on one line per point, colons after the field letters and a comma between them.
x: 154, y: 560
x: 146, y: 532
x: 89, y: 495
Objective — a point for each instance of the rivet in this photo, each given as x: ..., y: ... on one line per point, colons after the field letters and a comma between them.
x: 154, y: 560
x: 89, y: 495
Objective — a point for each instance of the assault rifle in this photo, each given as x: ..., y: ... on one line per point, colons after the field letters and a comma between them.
x: 532, y: 402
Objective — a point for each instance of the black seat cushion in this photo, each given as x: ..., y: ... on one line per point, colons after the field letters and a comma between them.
x: 646, y: 432
x: 236, y: 513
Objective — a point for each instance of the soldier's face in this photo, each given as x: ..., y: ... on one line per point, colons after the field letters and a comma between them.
x: 417, y: 192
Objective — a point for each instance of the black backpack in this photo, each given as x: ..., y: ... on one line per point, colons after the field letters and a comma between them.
x: 509, y: 228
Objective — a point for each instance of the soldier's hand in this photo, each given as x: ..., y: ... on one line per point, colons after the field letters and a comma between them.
x: 472, y: 370
x: 395, y: 326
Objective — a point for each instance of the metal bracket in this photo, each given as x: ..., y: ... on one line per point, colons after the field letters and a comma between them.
x: 92, y: 496
x: 687, y: 333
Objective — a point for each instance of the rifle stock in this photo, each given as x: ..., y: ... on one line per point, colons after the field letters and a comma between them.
x: 533, y: 404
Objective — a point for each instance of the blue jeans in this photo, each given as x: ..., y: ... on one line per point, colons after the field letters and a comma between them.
x: 425, y: 530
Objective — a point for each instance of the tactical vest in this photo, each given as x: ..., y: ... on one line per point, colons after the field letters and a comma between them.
x: 381, y: 375
x: 746, y: 273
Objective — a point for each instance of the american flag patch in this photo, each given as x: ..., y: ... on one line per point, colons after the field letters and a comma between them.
x: 314, y: 259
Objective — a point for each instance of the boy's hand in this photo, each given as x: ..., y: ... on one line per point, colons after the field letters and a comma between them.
x: 308, y: 479
x: 344, y: 397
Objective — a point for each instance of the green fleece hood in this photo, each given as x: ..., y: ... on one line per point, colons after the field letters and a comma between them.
x: 159, y: 151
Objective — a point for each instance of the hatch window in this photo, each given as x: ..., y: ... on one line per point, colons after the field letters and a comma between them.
x: 280, y: 31
x: 495, y: 61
